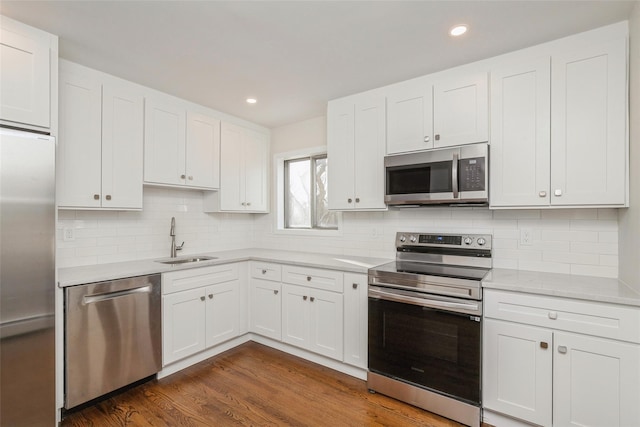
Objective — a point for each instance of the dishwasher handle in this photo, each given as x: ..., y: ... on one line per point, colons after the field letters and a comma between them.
x: 90, y: 299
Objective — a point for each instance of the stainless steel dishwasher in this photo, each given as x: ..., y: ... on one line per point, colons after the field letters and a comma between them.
x: 113, y: 336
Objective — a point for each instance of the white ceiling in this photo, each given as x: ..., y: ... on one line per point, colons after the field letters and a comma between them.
x: 294, y: 56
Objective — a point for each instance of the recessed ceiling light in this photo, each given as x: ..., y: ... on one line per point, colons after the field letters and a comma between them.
x: 458, y: 30
x: 251, y: 100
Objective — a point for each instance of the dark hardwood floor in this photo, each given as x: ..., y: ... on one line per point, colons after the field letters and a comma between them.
x: 253, y: 385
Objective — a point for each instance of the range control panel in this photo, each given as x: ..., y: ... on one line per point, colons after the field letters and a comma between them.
x: 458, y: 241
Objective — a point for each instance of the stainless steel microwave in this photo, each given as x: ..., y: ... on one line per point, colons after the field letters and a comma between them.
x: 454, y: 175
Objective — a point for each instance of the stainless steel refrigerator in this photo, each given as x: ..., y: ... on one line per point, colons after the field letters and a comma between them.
x: 27, y: 279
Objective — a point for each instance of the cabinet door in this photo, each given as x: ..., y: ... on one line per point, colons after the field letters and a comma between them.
x: 79, y: 158
x: 369, y: 149
x: 223, y: 313
x: 295, y: 315
x: 25, y: 74
x: 355, y: 319
x: 203, y: 151
x: 588, y: 126
x: 183, y: 324
x: 164, y: 143
x: 256, y: 162
x: 326, y: 323
x: 517, y: 370
x: 409, y: 117
x: 232, y: 180
x: 340, y: 154
x: 460, y: 110
x: 266, y: 308
x: 521, y: 134
x: 596, y: 382
x: 122, y: 147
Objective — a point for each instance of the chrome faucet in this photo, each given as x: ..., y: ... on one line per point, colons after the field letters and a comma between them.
x: 172, y: 233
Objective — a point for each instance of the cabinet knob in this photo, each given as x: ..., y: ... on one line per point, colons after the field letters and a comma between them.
x: 108, y: 197
x: 243, y: 204
x: 210, y: 296
x: 542, y: 194
x: 544, y: 345
x: 312, y: 299
x: 427, y: 139
x: 354, y: 286
x: 202, y: 298
x: 190, y: 178
x: 96, y: 197
x: 308, y: 278
x: 557, y: 192
x: 275, y: 292
x: 562, y: 349
x: 183, y: 176
x: 357, y: 199
x: 553, y: 315
x: 304, y: 297
x: 349, y: 200
x: 248, y: 203
x: 264, y: 271
x: 438, y: 137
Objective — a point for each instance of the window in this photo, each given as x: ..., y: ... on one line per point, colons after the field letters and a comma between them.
x: 305, y: 194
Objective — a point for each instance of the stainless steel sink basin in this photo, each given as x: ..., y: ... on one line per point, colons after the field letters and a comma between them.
x: 185, y: 260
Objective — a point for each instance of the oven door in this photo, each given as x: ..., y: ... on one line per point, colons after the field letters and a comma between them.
x: 433, y: 348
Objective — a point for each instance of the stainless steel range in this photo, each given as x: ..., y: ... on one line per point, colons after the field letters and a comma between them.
x: 425, y: 323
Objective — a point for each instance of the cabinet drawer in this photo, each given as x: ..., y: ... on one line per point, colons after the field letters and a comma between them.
x: 585, y: 317
x: 329, y: 280
x: 266, y: 271
x: 197, y: 277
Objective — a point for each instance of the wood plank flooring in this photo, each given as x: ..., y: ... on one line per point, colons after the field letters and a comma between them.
x: 253, y: 385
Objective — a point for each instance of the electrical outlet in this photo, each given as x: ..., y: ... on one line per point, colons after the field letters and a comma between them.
x: 526, y: 237
x: 67, y: 234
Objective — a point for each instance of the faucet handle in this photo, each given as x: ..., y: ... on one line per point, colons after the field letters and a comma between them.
x: 179, y: 248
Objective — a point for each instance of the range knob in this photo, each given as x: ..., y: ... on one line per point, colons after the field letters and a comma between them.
x: 481, y: 241
x: 403, y: 238
x: 468, y: 240
x: 413, y: 239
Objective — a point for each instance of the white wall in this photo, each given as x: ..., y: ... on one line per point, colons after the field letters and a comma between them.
x: 630, y: 218
x: 575, y: 241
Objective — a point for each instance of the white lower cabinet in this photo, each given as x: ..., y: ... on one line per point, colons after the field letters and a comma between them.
x: 203, y: 316
x: 265, y: 299
x: 545, y: 373
x: 312, y: 319
x: 355, y: 319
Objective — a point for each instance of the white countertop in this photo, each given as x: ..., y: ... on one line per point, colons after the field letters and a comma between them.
x: 101, y: 272
x: 589, y: 288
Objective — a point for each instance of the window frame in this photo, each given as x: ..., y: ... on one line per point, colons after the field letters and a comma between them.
x: 279, y: 185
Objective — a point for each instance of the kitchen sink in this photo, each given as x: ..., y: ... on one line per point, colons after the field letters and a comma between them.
x: 185, y: 260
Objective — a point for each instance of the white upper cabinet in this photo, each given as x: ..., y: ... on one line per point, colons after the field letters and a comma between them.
x: 409, y: 117
x: 460, y: 110
x: 244, y: 171
x: 100, y: 141
x: 520, y: 133
x: 182, y: 148
x: 558, y: 128
x: 28, y: 68
x: 355, y: 150
x: 588, y: 126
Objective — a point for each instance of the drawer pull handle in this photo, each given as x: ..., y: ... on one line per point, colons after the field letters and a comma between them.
x: 562, y: 349
x: 264, y: 271
x: 553, y: 315
x: 308, y: 278
x: 544, y: 345
x: 304, y: 297
x: 275, y: 292
x: 355, y: 286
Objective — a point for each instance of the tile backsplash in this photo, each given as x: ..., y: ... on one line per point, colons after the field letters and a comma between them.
x: 573, y: 241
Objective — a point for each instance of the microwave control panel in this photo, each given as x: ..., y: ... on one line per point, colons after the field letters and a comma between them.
x: 471, y: 174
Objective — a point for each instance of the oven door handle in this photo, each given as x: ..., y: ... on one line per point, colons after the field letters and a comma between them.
x: 424, y: 302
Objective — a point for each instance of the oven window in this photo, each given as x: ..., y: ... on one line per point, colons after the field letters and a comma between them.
x: 419, y: 179
x: 434, y: 349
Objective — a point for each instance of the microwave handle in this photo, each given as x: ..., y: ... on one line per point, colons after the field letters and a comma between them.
x: 454, y: 175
